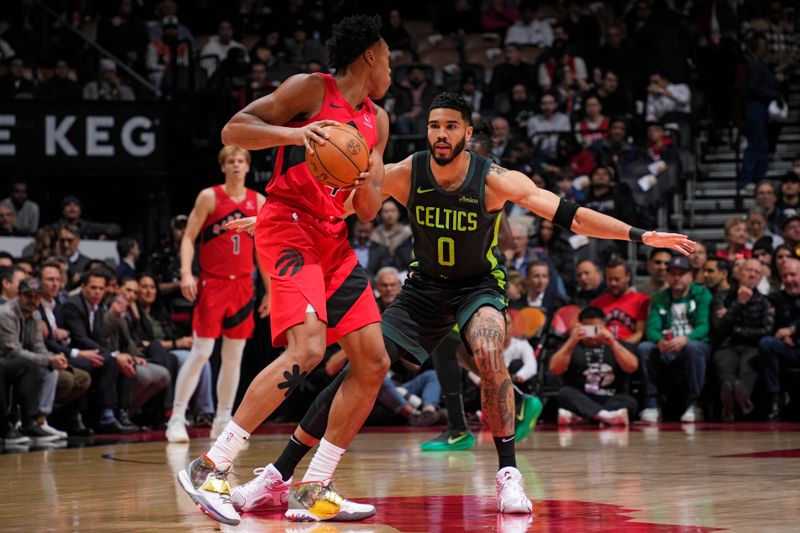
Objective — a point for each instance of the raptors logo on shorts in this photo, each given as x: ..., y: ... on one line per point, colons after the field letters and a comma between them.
x: 290, y: 261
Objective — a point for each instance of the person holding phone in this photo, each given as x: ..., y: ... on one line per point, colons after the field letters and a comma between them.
x: 595, y: 369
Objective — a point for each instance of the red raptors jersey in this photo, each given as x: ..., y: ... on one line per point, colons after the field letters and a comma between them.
x: 223, y: 253
x: 292, y: 184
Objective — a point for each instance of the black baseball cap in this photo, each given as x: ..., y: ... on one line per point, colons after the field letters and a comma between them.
x: 679, y: 262
x: 790, y: 218
x: 30, y: 285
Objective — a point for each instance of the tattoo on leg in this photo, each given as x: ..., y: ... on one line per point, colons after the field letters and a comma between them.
x: 505, y: 403
x: 486, y: 336
x: 293, y: 380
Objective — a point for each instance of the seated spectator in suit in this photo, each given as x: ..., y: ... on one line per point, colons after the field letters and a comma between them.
x: 735, y: 240
x: 83, y: 316
x: 67, y: 243
x: 677, y: 330
x: 71, y: 210
x: 595, y: 368
x: 625, y: 309
x: 745, y: 317
x: 541, y: 292
x: 388, y: 285
x: 8, y: 220
x: 129, y: 252
x: 782, y: 350
x: 657, y: 268
x: 590, y: 282
x: 371, y: 255
x: 26, y: 211
x: 150, y: 377
x: 10, y: 277
x: 56, y: 340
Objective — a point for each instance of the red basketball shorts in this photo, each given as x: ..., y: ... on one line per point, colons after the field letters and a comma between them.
x: 224, y: 306
x: 311, y: 266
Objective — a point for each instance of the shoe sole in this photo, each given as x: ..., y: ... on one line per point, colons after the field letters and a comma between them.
x: 202, y: 503
x: 521, y: 510
x: 181, y: 438
x: 352, y: 517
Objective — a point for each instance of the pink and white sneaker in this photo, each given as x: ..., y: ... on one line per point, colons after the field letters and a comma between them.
x: 511, y: 496
x: 267, y: 491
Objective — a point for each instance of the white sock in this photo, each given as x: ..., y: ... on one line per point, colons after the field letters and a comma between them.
x: 189, y: 375
x: 228, y: 380
x: 325, y: 461
x: 227, y: 446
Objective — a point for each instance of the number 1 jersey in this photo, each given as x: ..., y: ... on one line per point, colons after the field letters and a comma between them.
x: 223, y: 253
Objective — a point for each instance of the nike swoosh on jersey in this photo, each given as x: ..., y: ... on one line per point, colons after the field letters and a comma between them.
x: 453, y: 440
x: 420, y: 190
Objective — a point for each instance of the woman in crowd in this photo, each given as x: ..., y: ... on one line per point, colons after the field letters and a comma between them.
x: 735, y: 240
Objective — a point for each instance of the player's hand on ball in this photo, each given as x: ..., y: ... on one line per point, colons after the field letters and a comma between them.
x: 188, y: 286
x: 364, y: 177
x: 314, y: 132
x: 242, y: 225
x: 673, y: 241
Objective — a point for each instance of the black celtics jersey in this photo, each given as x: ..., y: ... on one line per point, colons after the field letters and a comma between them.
x: 454, y: 235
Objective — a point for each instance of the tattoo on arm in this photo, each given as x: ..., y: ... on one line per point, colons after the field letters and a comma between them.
x: 497, y: 169
x: 292, y: 379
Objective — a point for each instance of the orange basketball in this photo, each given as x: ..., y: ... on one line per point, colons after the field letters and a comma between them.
x: 339, y: 161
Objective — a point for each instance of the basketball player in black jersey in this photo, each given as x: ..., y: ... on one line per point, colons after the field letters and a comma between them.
x: 454, y: 199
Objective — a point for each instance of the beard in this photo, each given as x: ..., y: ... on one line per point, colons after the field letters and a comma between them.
x: 455, y: 151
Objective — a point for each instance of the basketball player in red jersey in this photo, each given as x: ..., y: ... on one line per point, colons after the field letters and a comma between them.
x: 225, y: 303
x: 319, y: 292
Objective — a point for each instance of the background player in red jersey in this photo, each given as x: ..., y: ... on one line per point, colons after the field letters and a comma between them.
x: 319, y: 292
x: 225, y: 303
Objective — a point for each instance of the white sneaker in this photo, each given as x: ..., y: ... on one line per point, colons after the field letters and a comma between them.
x: 615, y: 418
x: 690, y: 416
x: 176, y: 430
x: 511, y: 496
x: 209, y: 489
x: 566, y: 418
x: 266, y: 491
x: 218, y: 426
x: 650, y: 415
x: 53, y: 431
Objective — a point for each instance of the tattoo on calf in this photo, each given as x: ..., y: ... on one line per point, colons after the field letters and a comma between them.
x: 505, y: 401
x: 293, y: 380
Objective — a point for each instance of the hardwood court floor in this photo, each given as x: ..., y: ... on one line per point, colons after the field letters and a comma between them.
x: 662, y: 480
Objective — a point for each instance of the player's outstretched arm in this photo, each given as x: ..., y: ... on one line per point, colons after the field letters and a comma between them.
x: 367, y: 198
x: 261, y: 123
x: 507, y: 185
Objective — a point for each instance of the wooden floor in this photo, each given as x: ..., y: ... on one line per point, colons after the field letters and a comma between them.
x: 663, y: 480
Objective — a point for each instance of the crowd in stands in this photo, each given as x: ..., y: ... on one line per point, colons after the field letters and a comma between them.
x: 598, y: 102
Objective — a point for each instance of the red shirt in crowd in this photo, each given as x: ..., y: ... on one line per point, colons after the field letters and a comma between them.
x: 622, y: 312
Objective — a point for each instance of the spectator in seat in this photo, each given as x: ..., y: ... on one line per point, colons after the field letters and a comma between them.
x: 541, y: 293
x: 219, y: 45
x: 129, y: 252
x: 558, y: 58
x: 660, y: 149
x: 594, y: 126
x: 530, y: 30
x: 395, y: 33
x: 124, y: 35
x: 6, y: 259
x: 590, y: 282
x: 664, y: 98
x: 790, y: 230
x: 618, y: 55
x: 23, y: 375
x: 657, y: 268
x: 391, y: 233
x: 155, y: 29
x: 604, y: 196
x: 502, y: 140
x: 744, y: 318
x: 67, y: 245
x: 735, y: 240
x: 26, y: 211
x: 414, y: 96
x: 544, y: 127
x: 789, y: 201
x: 521, y: 109
x: 766, y: 200
x: 571, y: 158
x: 258, y: 83
x: 551, y: 243
x: 613, y: 98
x: 763, y: 251
x: 301, y: 50
x: 109, y: 87
x: 167, y: 55
x: 757, y: 229
x: 13, y: 84
x: 519, y: 256
x: 781, y: 351
x: 371, y: 255
x: 697, y: 258
x: 7, y: 221
x: 716, y: 277
x: 625, y: 309
x: 71, y: 210
x: 511, y: 72
x: 677, y: 331
x: 60, y: 86
x: 595, y: 368
x: 471, y: 94
x: 149, y: 377
x: 10, y: 278
x: 165, y: 262
x: 615, y: 148
x: 499, y: 16
x: 83, y: 316
x: 388, y: 285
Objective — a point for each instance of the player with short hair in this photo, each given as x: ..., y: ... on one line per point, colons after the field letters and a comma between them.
x: 320, y: 294
x: 454, y: 199
x: 225, y: 296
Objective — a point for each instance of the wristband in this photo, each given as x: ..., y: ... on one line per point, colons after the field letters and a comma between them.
x: 636, y: 234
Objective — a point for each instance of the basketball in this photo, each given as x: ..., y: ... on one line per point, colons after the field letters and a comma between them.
x: 339, y: 161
